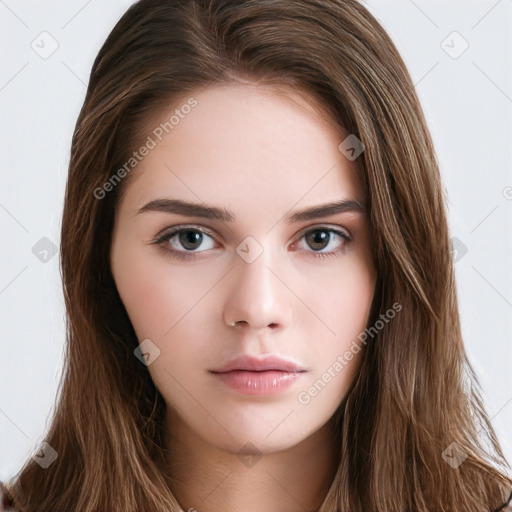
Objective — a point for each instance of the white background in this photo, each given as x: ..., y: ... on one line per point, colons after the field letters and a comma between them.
x: 468, y: 104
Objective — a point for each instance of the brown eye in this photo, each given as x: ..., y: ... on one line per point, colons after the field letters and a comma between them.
x: 186, y: 241
x: 323, y: 241
x: 318, y: 239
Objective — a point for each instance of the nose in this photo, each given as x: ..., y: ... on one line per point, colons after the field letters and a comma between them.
x: 257, y: 297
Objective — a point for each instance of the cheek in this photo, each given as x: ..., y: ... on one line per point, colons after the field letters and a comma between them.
x: 156, y: 296
x: 163, y: 305
x: 147, y: 298
x: 343, y: 302
x: 344, y: 305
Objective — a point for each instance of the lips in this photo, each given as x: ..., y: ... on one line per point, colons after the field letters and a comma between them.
x: 252, y: 364
x: 259, y: 376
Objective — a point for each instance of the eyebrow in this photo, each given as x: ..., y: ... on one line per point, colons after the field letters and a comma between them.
x: 191, y: 209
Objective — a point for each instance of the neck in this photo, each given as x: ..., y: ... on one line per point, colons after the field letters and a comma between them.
x: 205, y: 478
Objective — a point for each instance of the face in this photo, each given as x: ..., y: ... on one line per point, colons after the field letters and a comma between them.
x: 241, y: 252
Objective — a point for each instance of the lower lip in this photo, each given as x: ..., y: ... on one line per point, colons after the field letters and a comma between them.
x: 268, y: 382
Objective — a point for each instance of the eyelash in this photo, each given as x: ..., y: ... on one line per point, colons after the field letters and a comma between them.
x: 189, y: 255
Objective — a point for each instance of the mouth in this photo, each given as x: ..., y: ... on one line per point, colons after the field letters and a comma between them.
x: 259, y: 376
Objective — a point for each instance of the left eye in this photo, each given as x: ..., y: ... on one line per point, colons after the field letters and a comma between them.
x: 321, y: 238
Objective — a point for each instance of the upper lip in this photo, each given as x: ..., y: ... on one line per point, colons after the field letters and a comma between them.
x: 254, y: 364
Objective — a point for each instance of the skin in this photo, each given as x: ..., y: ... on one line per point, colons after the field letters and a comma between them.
x: 263, y: 156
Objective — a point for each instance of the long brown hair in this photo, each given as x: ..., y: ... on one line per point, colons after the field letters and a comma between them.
x: 416, y: 393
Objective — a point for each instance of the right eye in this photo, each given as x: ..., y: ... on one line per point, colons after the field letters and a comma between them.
x: 183, y: 242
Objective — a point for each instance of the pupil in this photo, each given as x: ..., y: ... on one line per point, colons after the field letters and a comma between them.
x: 189, y: 238
x: 318, y: 239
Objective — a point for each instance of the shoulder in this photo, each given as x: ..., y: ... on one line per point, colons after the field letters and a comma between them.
x: 7, y: 502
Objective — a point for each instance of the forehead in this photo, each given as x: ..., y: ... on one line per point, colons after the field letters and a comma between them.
x: 247, y: 146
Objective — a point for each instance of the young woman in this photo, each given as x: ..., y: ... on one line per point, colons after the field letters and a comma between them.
x: 262, y: 312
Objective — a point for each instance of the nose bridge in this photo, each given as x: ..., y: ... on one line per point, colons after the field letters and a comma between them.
x: 257, y: 296
x: 253, y: 277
